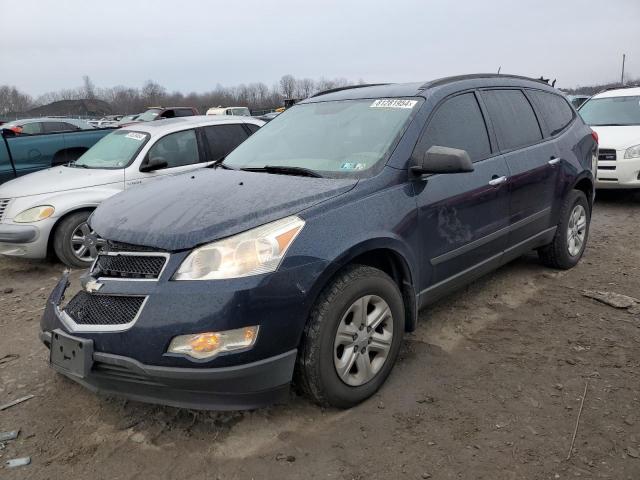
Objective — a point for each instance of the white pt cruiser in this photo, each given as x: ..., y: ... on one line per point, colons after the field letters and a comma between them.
x: 615, y: 116
x: 46, y: 212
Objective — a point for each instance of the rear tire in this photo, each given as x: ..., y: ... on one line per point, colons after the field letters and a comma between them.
x: 570, y: 240
x: 360, y: 295
x: 66, y: 245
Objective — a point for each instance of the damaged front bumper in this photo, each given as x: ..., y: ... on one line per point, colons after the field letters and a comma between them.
x: 250, y: 385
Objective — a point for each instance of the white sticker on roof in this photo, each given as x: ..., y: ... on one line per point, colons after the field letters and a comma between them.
x: 136, y: 136
x: 393, y: 103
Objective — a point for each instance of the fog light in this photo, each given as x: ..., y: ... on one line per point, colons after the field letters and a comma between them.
x: 209, y: 344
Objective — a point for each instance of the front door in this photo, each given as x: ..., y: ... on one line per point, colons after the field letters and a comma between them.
x: 463, y: 217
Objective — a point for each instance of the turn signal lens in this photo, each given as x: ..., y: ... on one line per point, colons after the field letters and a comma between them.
x: 34, y: 214
x: 209, y: 344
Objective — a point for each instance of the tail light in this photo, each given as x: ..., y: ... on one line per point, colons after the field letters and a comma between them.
x: 594, y: 135
x: 15, y: 129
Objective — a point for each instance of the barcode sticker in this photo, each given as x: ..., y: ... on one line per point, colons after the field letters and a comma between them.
x: 393, y: 103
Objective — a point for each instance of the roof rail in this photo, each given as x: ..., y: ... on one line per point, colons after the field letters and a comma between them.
x: 444, y: 80
x: 348, y: 87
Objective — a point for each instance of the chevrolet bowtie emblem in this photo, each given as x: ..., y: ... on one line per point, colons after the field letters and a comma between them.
x: 93, y: 286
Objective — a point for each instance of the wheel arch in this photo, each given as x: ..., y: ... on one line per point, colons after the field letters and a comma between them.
x: 54, y: 229
x: 585, y: 184
x: 386, y: 254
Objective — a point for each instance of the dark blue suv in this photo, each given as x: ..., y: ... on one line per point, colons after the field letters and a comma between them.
x: 308, y: 252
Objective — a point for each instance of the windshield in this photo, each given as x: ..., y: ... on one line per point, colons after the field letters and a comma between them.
x: 116, y: 150
x: 611, y: 111
x: 340, y: 138
x: 149, y: 115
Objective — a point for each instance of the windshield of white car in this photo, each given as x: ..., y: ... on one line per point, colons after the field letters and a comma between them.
x: 611, y: 111
x: 149, y: 115
x: 335, y: 139
x: 116, y: 150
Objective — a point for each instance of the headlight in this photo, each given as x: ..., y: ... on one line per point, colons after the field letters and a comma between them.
x: 34, y: 214
x: 210, y: 344
x: 253, y: 252
x: 632, y: 152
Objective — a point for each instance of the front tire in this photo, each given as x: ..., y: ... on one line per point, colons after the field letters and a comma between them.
x: 352, y: 338
x: 572, y: 233
x: 75, y: 243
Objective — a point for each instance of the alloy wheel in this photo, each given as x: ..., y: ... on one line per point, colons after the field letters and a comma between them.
x: 576, y: 230
x: 85, y: 243
x: 363, y: 340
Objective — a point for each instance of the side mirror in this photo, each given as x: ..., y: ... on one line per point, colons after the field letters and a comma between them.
x: 443, y: 160
x: 152, y: 164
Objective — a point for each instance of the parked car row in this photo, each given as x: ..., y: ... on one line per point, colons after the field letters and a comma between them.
x: 306, y: 252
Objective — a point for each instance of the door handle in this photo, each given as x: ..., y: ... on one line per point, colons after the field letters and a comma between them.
x: 554, y: 161
x: 494, y: 182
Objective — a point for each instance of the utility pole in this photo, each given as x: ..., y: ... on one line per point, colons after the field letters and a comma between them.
x: 622, y: 76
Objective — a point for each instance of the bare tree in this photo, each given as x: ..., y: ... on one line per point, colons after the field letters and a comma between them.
x: 288, y: 86
x: 13, y: 100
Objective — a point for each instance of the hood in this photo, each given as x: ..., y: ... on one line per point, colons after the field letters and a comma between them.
x: 619, y: 138
x: 59, y: 179
x: 187, y: 210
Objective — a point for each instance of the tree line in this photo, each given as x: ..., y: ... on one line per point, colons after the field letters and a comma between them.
x: 124, y: 100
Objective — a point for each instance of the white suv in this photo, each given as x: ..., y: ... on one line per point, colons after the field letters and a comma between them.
x: 615, y: 116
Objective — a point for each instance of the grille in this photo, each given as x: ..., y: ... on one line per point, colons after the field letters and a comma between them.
x: 4, y: 203
x: 128, y: 266
x: 606, y: 154
x: 87, y: 309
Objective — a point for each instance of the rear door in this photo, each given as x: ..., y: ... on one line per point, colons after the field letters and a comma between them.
x: 463, y: 217
x: 532, y: 162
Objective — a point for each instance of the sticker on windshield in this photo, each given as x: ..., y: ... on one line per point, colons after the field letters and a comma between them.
x: 393, y: 103
x: 352, y: 166
x: 136, y: 136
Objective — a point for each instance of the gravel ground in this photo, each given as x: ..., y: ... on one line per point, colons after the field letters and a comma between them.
x: 488, y: 387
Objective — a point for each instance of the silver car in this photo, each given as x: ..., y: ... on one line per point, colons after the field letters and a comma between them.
x: 47, y: 211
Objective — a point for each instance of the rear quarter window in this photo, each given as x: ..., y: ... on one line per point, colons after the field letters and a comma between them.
x: 513, y: 117
x: 555, y: 110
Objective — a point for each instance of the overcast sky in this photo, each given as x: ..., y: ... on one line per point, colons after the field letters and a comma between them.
x: 192, y: 45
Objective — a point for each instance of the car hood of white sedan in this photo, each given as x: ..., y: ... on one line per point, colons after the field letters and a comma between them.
x: 59, y: 179
x: 618, y: 137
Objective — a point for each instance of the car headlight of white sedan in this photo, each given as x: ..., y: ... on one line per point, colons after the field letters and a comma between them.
x: 256, y: 251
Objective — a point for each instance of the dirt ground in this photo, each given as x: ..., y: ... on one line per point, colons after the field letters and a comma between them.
x: 488, y: 387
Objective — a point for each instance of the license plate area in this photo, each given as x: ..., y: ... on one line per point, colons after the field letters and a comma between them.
x: 71, y: 355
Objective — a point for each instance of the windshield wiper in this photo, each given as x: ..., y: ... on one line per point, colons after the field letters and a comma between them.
x: 218, y: 162
x: 285, y: 170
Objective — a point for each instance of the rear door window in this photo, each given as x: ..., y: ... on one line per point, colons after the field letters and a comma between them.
x: 458, y: 123
x: 177, y: 149
x: 52, y: 127
x: 513, y: 117
x: 221, y: 139
x: 555, y: 110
